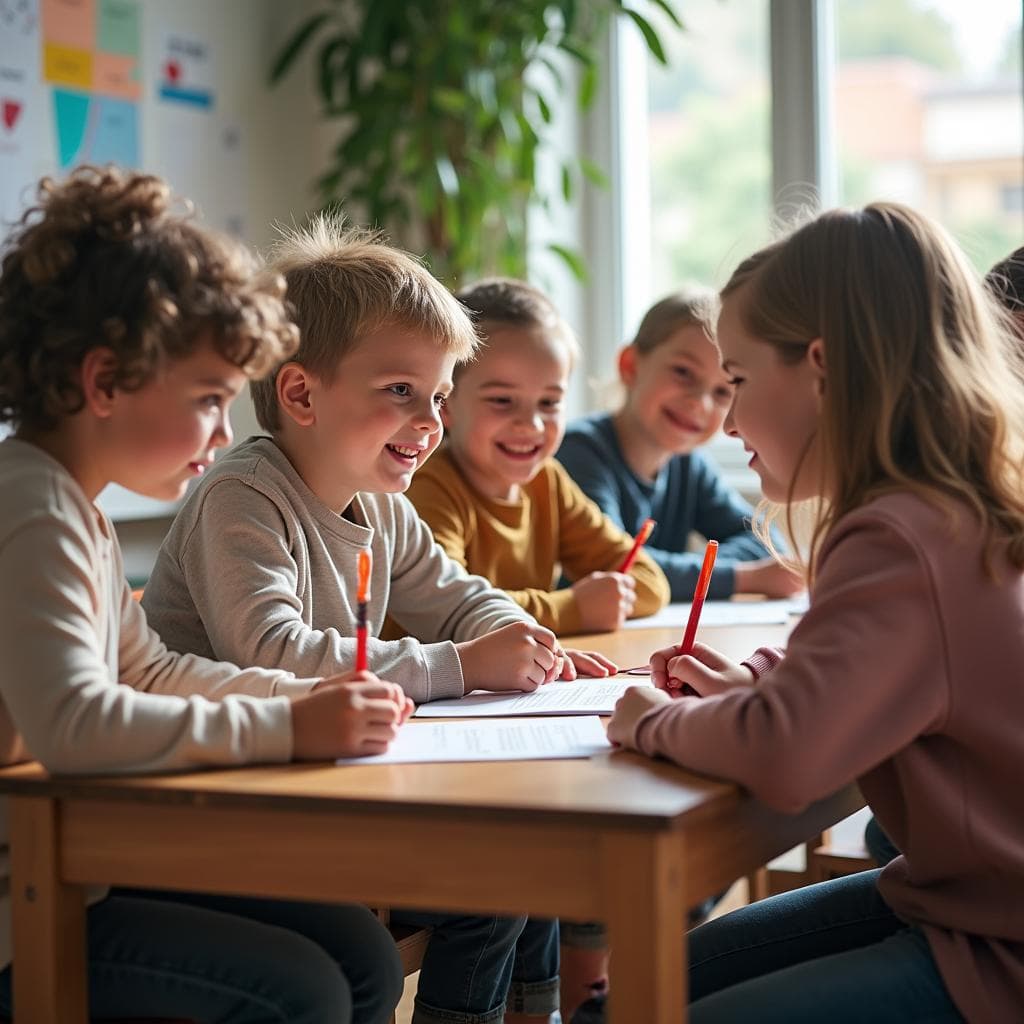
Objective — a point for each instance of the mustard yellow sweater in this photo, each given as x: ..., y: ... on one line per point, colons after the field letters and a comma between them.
x: 524, y: 546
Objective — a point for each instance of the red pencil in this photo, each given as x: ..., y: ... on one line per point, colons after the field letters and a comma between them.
x: 703, y: 582
x: 362, y: 596
x: 641, y: 539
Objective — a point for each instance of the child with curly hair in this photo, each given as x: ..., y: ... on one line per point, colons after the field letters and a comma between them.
x: 125, y: 333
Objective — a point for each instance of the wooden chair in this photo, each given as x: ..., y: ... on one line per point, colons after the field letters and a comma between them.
x: 827, y: 859
x: 411, y: 943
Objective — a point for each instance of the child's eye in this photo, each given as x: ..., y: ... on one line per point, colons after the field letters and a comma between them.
x: 211, y: 401
x: 723, y: 396
x: 735, y: 382
x: 551, y: 404
x: 401, y: 390
x: 499, y: 400
x: 682, y: 371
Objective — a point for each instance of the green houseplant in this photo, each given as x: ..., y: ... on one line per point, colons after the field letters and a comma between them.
x: 442, y: 108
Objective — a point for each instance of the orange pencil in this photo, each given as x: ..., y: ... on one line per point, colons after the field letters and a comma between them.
x: 362, y: 596
x: 703, y: 582
x: 641, y: 538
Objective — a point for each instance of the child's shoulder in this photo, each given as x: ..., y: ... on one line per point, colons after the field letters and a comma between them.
x: 439, y: 481
x: 594, y: 429
x: 34, y: 486
x: 938, y: 531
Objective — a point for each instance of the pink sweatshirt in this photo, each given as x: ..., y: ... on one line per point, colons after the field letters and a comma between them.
x: 906, y: 674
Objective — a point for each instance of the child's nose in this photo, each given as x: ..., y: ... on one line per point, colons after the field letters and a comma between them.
x: 429, y: 417
x: 531, y: 418
x: 222, y: 435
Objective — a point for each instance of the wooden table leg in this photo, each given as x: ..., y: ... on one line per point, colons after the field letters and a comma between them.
x: 48, y: 921
x: 644, y: 893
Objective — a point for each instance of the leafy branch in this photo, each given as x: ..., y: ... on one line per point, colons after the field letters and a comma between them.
x: 443, y: 107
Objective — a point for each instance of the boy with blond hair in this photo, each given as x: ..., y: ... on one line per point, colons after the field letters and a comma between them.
x: 260, y: 565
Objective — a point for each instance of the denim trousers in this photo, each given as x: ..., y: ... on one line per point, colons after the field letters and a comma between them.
x: 829, y: 952
x: 832, y: 951
x: 227, y: 960
x: 475, y: 965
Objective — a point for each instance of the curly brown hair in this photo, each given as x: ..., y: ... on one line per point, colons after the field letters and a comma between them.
x: 103, y: 258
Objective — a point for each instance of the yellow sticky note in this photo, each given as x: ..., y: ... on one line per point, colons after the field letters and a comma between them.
x: 66, y: 66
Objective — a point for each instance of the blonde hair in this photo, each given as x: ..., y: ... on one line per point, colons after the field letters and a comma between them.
x: 925, y: 385
x: 693, y: 306
x: 346, y: 283
x: 103, y: 258
x: 510, y: 302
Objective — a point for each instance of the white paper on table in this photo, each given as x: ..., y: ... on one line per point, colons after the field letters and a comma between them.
x: 582, y: 697
x: 724, y: 613
x: 488, y: 739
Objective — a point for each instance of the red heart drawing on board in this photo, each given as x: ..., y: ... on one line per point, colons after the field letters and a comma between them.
x: 173, y: 71
x: 11, y: 113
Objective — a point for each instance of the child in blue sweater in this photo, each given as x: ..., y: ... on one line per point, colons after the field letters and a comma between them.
x: 642, y: 461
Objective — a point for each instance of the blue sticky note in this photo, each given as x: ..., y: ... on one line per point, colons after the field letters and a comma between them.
x: 71, y: 116
x: 116, y: 136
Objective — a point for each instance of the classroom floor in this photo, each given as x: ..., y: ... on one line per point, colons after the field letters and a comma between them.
x: 735, y: 897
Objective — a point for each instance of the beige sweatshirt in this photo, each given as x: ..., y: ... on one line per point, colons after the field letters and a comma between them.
x: 85, y: 684
x: 256, y: 569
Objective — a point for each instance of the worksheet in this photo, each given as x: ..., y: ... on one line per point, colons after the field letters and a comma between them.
x: 488, y: 739
x: 724, y: 613
x: 581, y: 697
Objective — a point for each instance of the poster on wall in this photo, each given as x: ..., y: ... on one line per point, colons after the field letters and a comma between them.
x: 23, y: 115
x: 91, y: 54
x: 186, y: 71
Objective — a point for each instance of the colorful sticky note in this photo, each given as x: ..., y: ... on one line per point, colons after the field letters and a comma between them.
x: 64, y: 65
x: 71, y: 114
x: 70, y: 23
x: 118, y: 29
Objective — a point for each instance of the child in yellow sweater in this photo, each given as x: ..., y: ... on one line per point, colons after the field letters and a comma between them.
x: 501, y: 506
x: 496, y: 500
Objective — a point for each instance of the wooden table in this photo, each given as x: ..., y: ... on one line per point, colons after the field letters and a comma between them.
x: 620, y: 839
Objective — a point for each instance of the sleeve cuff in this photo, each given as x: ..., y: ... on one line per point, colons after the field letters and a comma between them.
x: 763, y: 660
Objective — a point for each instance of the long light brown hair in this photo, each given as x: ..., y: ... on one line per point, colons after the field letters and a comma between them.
x: 924, y: 381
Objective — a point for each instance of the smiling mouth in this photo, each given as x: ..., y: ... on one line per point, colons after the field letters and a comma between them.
x: 404, y: 453
x: 519, y: 451
x: 680, y: 424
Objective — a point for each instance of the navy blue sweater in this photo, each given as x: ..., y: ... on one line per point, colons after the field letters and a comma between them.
x: 688, y: 495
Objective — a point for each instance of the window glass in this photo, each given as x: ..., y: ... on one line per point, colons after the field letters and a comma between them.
x: 709, y: 131
x: 928, y: 111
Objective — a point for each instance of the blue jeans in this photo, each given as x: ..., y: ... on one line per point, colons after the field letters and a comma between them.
x: 473, y: 965
x: 878, y: 843
x: 832, y: 951
x: 253, y: 962
x: 829, y: 952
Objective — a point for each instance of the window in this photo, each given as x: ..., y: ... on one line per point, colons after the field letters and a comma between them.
x: 709, y: 144
x: 913, y: 100
x: 929, y: 111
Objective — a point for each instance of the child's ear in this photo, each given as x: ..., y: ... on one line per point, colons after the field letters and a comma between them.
x: 627, y: 365
x: 98, y: 374
x: 816, y: 360
x: 293, y: 393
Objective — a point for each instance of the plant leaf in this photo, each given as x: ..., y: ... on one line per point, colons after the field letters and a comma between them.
x: 650, y: 36
x: 670, y: 13
x: 291, y: 49
x: 572, y: 260
x: 593, y: 173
